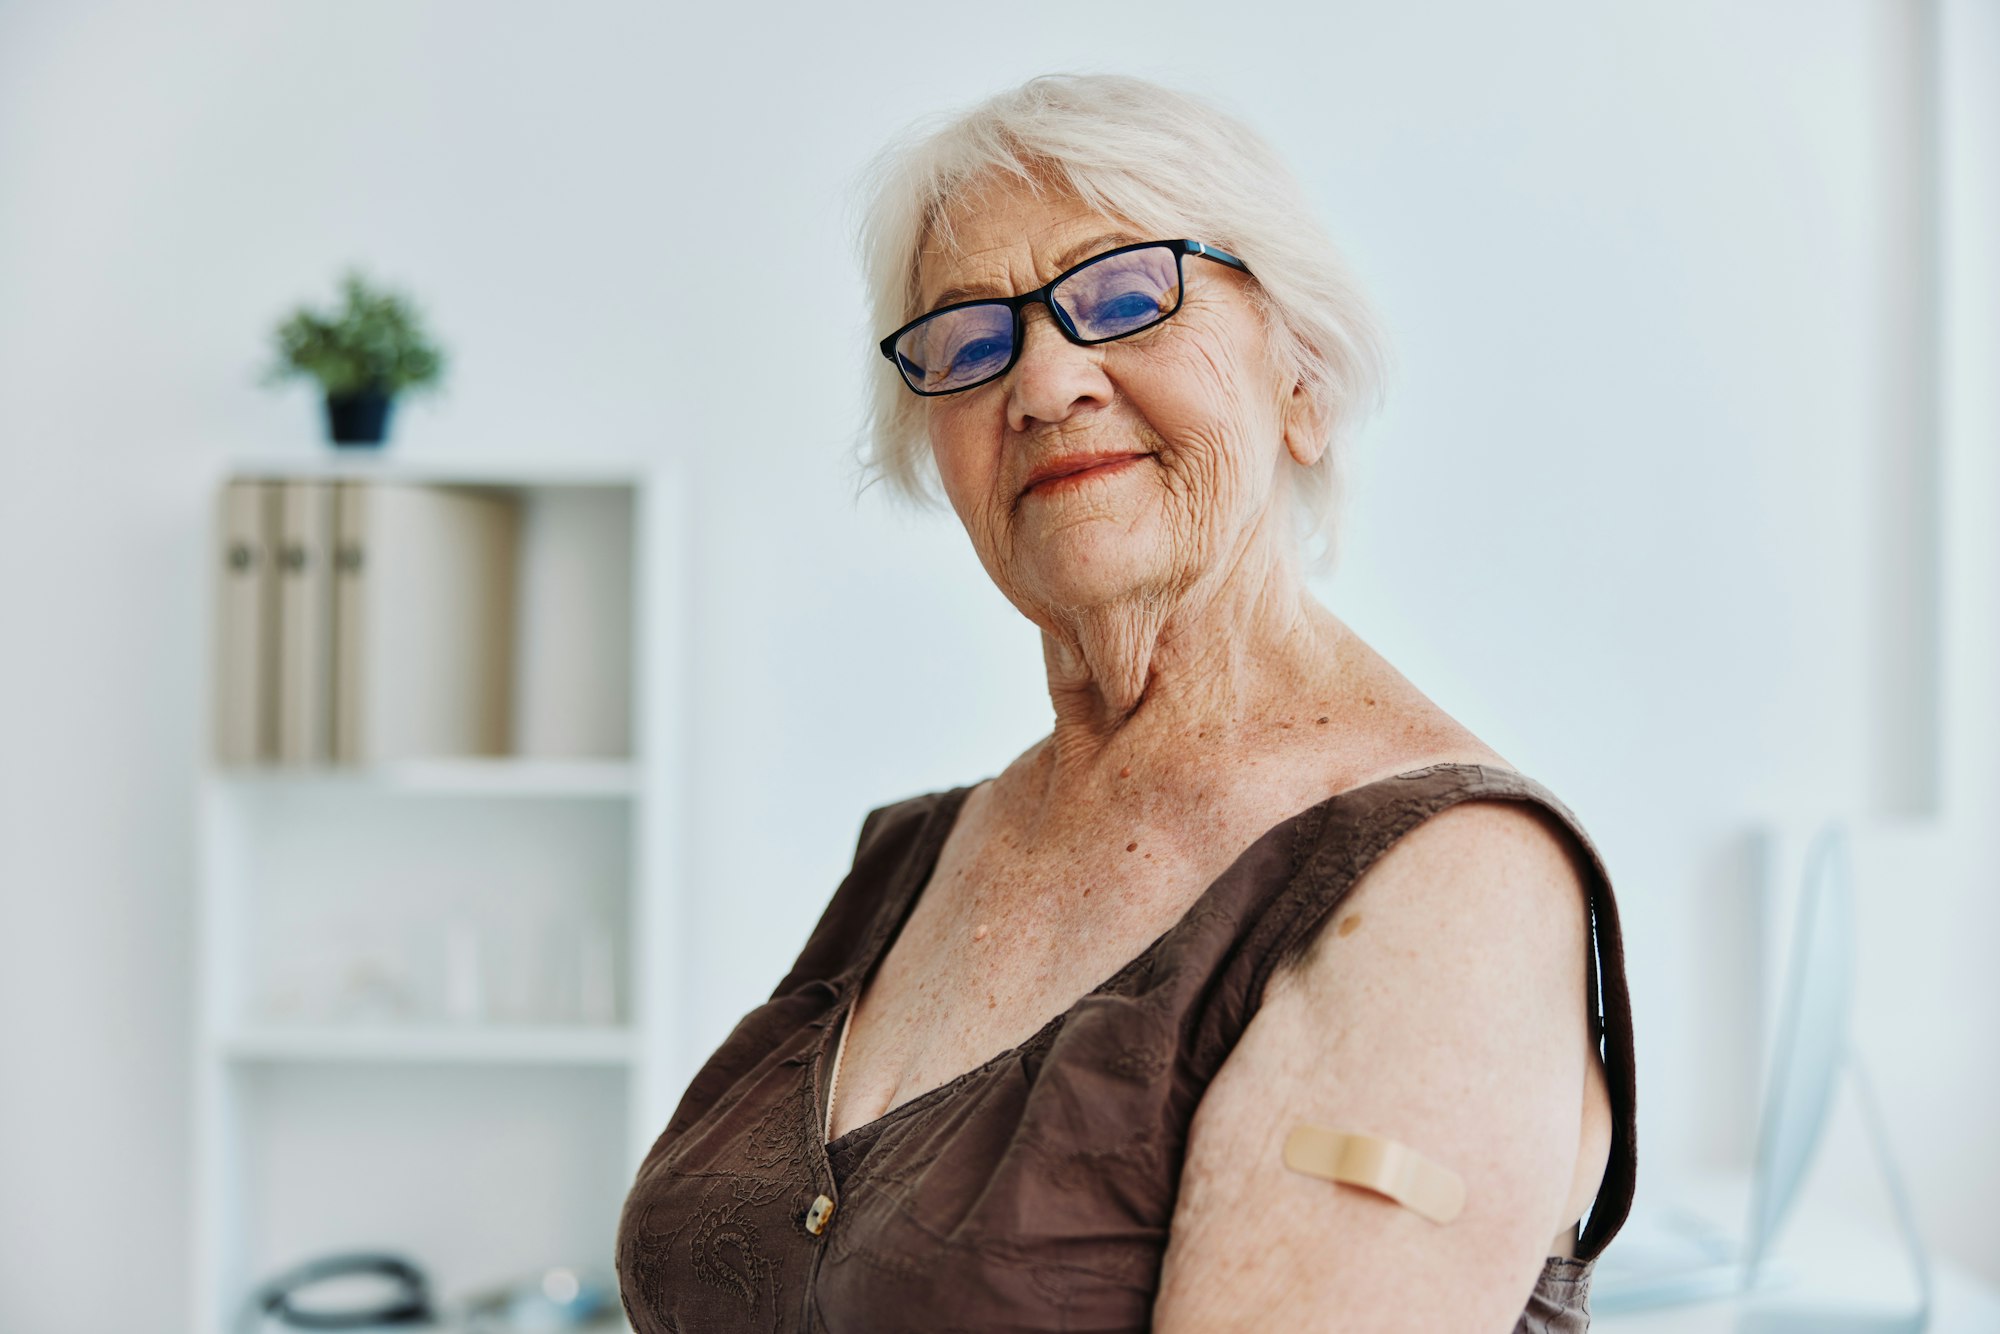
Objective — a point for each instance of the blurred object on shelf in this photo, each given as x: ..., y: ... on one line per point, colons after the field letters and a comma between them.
x: 464, y: 985
x: 597, y: 985
x: 402, y: 1302
x: 373, y: 991
x: 364, y: 354
x: 363, y: 623
x: 477, y: 966
x: 374, y: 1290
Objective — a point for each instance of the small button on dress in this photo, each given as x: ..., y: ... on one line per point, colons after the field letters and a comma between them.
x: 818, y: 1216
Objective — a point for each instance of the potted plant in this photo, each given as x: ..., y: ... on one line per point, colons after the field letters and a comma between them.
x: 363, y: 356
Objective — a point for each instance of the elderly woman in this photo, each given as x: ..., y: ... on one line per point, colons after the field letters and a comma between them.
x: 1259, y: 994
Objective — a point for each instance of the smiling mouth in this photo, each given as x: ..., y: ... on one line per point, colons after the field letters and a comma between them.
x: 1056, y: 482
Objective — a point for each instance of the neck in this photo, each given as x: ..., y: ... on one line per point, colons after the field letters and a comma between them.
x: 1168, y: 685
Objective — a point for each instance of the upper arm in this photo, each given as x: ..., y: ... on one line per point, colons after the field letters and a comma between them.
x: 1443, y: 1006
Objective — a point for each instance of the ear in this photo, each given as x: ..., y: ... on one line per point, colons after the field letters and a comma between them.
x: 1304, y: 425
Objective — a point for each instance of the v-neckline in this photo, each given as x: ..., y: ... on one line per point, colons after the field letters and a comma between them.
x: 922, y: 865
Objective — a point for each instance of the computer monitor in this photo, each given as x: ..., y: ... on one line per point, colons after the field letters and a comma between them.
x: 1810, y: 1044
x: 1684, y: 1262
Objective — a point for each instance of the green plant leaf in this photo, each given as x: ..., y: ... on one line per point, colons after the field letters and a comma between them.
x: 376, y: 340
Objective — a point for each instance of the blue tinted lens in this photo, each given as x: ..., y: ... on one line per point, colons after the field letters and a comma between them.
x: 1122, y: 293
x: 957, y: 348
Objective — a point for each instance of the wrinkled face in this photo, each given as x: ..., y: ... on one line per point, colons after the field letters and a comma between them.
x: 1198, y: 408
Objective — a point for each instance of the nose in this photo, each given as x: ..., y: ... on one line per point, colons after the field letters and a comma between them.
x: 1053, y: 377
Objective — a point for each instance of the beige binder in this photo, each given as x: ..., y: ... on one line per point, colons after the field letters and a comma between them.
x: 424, y: 621
x: 246, y: 717
x: 305, y: 622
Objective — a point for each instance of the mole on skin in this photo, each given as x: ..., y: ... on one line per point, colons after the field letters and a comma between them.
x: 1348, y: 924
x: 979, y: 932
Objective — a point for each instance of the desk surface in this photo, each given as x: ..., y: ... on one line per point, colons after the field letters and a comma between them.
x: 1833, y: 1261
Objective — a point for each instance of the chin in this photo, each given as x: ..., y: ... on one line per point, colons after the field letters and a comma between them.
x: 1091, y: 563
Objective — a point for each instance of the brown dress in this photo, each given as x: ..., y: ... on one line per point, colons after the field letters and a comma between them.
x: 1035, y: 1191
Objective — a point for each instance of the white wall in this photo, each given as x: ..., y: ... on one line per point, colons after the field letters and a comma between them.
x: 1646, y: 270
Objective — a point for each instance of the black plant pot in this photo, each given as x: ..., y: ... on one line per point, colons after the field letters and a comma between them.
x: 358, y: 419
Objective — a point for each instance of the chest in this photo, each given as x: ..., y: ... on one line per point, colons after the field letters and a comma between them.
x: 1001, y: 940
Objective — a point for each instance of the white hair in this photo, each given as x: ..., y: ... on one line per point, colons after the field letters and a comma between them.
x: 1168, y: 162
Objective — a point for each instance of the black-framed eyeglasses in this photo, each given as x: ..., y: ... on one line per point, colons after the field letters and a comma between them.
x: 1112, y: 295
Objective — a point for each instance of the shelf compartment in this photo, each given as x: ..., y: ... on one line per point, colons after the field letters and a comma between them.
x: 361, y: 907
x: 481, y: 1174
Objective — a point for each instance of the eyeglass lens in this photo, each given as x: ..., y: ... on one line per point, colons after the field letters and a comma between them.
x: 1104, y: 299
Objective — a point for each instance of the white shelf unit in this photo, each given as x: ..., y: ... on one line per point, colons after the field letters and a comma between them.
x: 483, y: 1149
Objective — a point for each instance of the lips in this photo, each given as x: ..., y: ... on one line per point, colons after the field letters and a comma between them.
x: 1070, y: 464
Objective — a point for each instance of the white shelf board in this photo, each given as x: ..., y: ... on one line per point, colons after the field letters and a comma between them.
x: 466, y: 470
x: 488, y: 1044
x: 473, y: 776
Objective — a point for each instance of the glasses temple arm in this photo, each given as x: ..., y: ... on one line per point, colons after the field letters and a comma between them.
x: 1216, y: 253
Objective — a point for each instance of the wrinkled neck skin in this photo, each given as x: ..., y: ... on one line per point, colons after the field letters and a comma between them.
x: 1172, y: 682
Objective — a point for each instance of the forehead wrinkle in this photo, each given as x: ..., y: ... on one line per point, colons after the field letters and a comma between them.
x: 1082, y: 249
x: 962, y: 259
x: 1039, y: 217
x: 1073, y: 254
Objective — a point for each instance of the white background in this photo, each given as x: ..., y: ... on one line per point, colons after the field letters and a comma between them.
x: 1638, y: 512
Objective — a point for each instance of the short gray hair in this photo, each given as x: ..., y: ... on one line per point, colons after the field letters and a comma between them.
x: 1167, y: 161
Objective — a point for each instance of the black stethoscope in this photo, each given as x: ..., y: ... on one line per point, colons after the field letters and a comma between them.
x: 408, y: 1304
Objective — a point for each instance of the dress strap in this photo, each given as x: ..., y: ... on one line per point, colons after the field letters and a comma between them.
x: 858, y: 912
x: 1352, y: 835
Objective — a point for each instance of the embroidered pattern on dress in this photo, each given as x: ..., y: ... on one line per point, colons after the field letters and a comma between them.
x: 725, y: 1247
x: 774, y: 1141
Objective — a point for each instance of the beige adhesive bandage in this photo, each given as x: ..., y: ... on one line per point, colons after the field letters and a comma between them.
x: 1380, y: 1165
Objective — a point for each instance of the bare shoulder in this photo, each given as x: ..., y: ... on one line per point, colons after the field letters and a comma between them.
x: 1442, y: 1006
x: 1487, y: 893
x: 1490, y: 872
